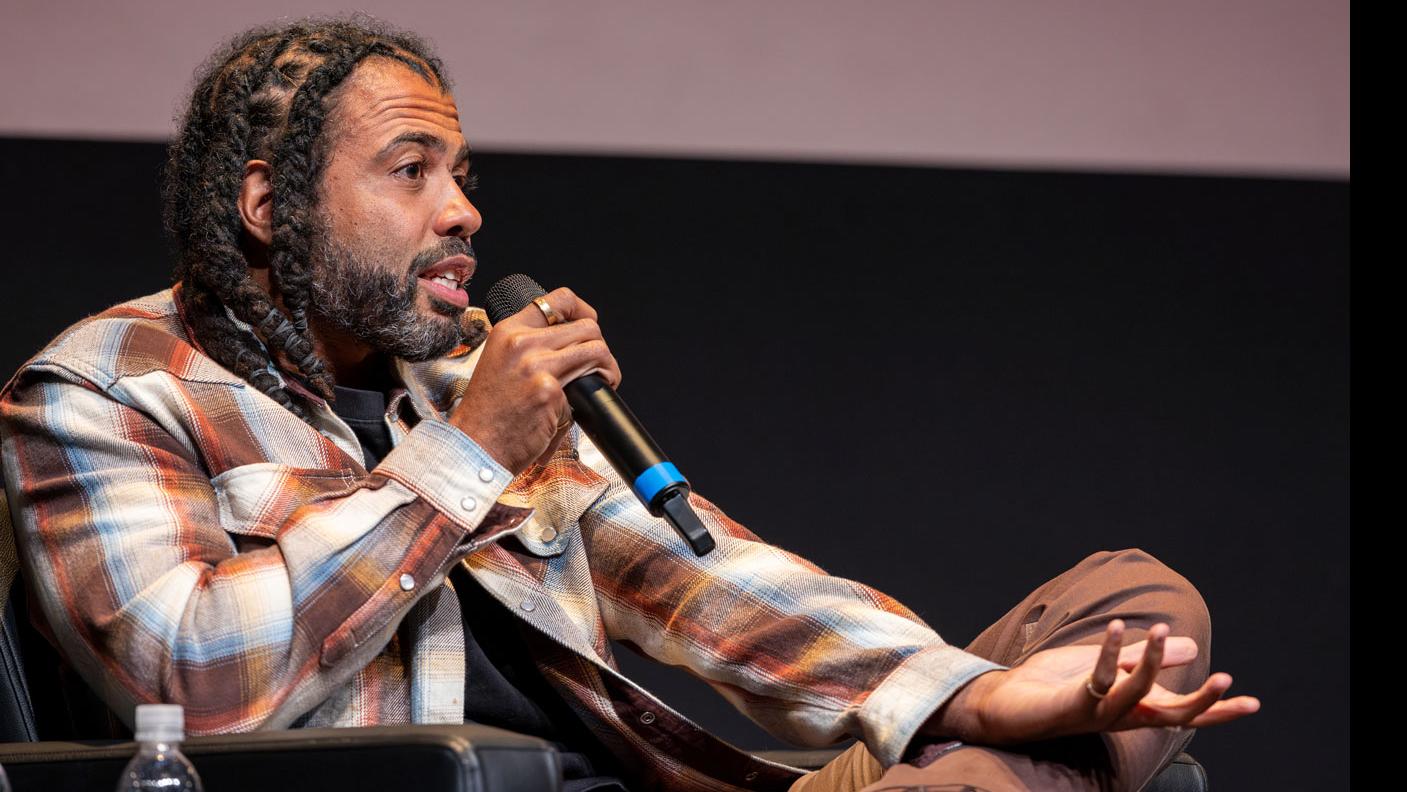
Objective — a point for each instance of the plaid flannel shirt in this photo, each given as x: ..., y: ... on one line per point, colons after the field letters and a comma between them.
x: 191, y: 541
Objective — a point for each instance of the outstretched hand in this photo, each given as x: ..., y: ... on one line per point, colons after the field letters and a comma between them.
x: 1087, y: 688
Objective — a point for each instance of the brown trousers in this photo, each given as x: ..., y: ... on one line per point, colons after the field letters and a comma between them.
x: 1071, y: 609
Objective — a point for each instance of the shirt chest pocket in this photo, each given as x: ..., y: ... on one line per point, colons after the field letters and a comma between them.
x: 256, y: 501
x: 560, y: 494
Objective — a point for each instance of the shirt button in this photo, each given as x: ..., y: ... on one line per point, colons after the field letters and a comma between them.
x: 485, y: 475
x: 468, y: 504
x: 647, y: 718
x: 549, y: 533
x: 407, y: 582
x: 528, y: 606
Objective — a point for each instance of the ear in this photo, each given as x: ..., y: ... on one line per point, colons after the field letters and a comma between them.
x: 256, y: 201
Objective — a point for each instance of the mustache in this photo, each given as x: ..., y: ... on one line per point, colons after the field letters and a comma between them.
x: 449, y: 246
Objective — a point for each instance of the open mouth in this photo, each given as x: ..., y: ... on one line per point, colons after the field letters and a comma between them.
x: 447, y: 278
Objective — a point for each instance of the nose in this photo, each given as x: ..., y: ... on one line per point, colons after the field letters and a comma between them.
x: 458, y: 217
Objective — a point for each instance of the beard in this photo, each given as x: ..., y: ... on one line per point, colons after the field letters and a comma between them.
x: 356, y: 293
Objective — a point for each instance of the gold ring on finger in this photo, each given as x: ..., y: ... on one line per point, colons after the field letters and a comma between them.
x: 1089, y: 685
x: 548, y: 312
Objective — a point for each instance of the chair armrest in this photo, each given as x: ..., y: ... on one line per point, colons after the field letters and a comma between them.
x: 452, y: 758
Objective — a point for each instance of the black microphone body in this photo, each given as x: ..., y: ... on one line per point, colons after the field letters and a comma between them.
x: 610, y: 424
x: 601, y: 412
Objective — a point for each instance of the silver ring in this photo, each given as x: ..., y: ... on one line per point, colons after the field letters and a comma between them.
x: 1089, y: 685
x: 548, y: 312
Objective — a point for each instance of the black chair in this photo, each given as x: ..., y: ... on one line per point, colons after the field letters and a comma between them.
x: 451, y: 758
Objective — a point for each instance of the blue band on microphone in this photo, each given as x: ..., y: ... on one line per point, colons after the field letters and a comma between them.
x: 656, y: 478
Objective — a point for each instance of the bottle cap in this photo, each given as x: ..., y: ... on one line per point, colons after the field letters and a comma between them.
x: 160, y: 723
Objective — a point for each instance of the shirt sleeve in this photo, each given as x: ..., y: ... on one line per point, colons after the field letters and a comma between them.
x: 247, y: 598
x: 810, y: 657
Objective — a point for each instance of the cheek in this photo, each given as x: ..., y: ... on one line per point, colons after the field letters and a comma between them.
x: 377, y: 232
x: 393, y: 222
x: 356, y: 206
x: 380, y: 225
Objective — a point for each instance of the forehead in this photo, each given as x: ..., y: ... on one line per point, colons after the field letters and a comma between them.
x: 384, y: 98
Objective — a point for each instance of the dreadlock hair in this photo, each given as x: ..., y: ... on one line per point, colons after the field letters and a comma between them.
x: 265, y: 95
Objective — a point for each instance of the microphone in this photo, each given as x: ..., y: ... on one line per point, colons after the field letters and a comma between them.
x: 610, y: 424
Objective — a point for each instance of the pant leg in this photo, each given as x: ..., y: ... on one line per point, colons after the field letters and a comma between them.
x: 1070, y: 609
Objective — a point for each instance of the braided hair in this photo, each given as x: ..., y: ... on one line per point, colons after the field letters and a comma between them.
x: 265, y: 95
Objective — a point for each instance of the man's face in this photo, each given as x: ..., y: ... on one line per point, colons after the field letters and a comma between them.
x: 391, y: 251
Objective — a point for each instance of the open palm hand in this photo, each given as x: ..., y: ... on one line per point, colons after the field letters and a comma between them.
x: 1090, y: 688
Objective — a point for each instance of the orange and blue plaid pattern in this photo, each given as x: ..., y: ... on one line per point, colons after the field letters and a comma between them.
x: 191, y: 541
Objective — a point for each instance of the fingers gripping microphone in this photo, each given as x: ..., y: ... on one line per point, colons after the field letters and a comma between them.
x: 615, y: 430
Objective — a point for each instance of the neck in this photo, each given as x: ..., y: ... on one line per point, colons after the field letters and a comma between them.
x: 353, y: 364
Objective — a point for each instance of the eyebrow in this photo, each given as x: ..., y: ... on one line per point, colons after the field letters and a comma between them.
x: 432, y: 142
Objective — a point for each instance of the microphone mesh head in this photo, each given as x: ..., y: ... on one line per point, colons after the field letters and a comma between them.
x: 511, y: 294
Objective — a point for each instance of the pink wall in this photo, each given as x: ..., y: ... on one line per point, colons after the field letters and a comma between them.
x: 1252, y: 86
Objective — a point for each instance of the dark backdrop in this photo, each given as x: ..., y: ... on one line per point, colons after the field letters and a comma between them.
x: 950, y: 384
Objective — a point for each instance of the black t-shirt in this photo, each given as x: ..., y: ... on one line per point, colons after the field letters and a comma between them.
x: 502, y: 686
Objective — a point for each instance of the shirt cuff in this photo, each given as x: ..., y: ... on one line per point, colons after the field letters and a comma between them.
x: 449, y: 470
x: 909, y: 696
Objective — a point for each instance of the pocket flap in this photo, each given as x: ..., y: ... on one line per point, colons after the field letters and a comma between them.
x: 258, y: 499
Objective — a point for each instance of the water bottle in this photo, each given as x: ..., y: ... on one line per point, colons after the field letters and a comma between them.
x: 159, y: 763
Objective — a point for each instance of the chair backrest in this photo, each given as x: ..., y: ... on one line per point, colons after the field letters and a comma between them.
x: 16, y: 707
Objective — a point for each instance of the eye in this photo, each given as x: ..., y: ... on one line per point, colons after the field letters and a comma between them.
x: 468, y: 182
x: 414, y: 170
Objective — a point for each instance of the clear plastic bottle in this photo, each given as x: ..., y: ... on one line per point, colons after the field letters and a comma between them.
x: 159, y: 763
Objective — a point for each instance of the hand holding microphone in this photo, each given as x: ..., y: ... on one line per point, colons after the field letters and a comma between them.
x: 514, y: 407
x: 545, y: 364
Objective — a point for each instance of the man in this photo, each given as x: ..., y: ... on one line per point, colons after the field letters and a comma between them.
x: 304, y: 488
